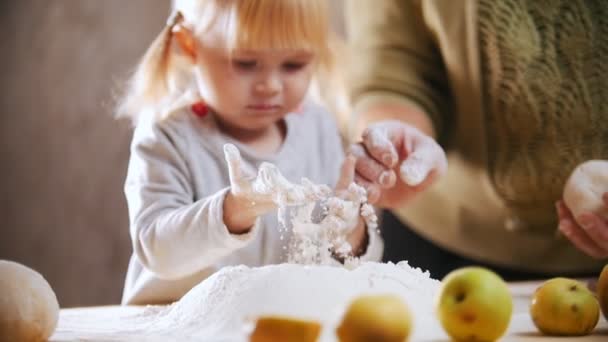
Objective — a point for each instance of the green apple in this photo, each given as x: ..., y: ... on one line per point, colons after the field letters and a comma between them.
x: 602, y: 291
x: 474, y: 304
x: 562, y: 306
x: 378, y: 318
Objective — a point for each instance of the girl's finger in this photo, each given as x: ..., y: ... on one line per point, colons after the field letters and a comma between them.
x: 347, y: 173
x: 373, y: 192
x: 377, y: 142
x: 234, y: 161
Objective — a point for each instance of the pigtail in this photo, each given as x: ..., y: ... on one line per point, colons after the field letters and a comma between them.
x: 149, y: 86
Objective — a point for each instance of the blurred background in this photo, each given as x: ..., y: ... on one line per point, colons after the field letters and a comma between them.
x: 64, y: 156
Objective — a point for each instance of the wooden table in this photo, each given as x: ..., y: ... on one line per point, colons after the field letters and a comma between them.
x: 95, y: 323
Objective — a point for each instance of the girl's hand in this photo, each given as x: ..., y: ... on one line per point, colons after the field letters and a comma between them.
x: 253, y: 195
x: 243, y: 204
x: 588, y: 232
x: 392, y: 147
x: 350, y: 215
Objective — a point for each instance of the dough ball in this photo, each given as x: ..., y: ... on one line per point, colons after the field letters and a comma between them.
x: 585, y: 187
x: 28, y: 306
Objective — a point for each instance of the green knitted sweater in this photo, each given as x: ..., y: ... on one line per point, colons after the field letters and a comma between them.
x: 517, y: 92
x: 544, y: 66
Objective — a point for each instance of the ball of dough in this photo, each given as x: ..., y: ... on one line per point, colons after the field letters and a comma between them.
x: 28, y: 306
x: 585, y: 187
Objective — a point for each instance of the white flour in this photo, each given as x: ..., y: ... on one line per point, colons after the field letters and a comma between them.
x: 223, y: 307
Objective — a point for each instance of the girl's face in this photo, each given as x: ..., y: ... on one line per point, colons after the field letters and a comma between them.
x: 252, y: 89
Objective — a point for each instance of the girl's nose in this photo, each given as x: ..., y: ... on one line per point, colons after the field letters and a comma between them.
x: 269, y: 85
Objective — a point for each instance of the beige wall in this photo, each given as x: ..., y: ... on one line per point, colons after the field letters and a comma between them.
x: 63, y: 156
x: 62, y: 210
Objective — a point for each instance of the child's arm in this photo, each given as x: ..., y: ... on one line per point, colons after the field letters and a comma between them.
x: 175, y: 234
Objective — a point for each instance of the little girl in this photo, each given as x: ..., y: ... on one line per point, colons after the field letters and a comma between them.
x: 225, y: 72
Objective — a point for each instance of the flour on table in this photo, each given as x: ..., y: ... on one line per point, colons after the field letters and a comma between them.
x: 224, y: 306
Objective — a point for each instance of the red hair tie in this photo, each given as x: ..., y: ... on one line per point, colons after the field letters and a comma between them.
x: 200, y: 109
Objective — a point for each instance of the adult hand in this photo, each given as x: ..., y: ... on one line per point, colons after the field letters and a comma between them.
x: 588, y: 232
x: 395, y: 161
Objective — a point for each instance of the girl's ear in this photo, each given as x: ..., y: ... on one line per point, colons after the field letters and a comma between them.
x: 185, y: 40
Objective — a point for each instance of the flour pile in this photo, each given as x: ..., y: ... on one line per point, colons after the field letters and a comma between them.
x: 220, y: 308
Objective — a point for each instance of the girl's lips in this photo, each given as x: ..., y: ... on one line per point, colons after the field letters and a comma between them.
x: 264, y: 107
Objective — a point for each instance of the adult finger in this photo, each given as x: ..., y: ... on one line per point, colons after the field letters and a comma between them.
x: 424, y: 159
x: 377, y: 142
x: 596, y: 228
x: 371, y: 169
x: 579, y: 239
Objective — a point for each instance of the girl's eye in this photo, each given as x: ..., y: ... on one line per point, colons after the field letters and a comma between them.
x: 293, y: 66
x: 245, y: 64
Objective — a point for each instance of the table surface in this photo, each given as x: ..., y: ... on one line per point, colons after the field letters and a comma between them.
x: 100, y: 323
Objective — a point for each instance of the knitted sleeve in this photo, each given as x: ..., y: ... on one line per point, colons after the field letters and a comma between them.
x: 395, y: 57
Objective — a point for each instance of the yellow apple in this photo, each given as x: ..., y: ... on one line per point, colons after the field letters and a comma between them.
x: 474, y: 304
x: 562, y: 306
x: 602, y: 291
x: 378, y: 318
x: 278, y: 328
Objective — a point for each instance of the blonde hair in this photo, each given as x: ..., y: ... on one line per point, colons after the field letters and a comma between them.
x: 159, y: 84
